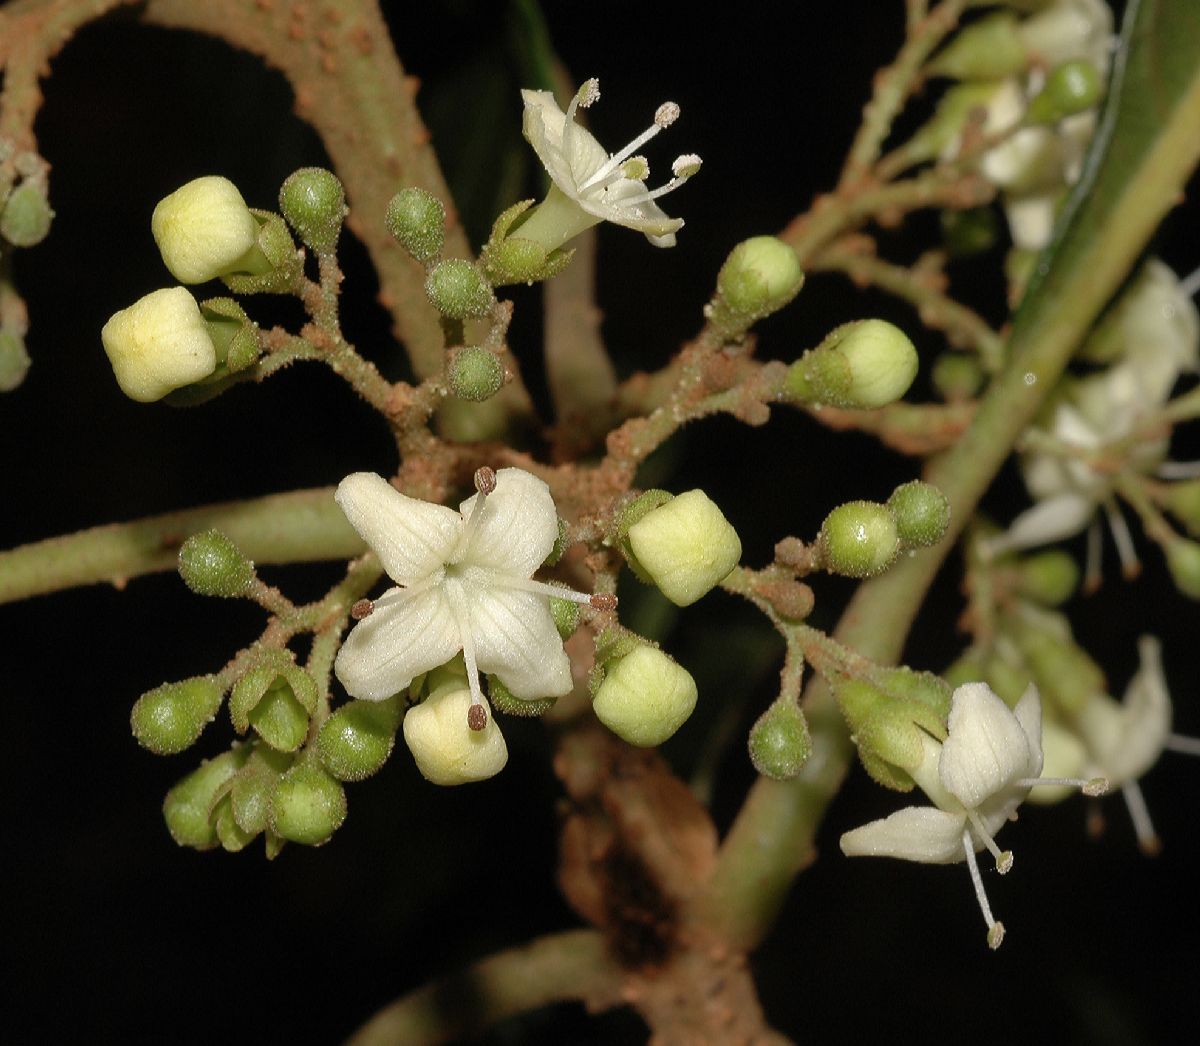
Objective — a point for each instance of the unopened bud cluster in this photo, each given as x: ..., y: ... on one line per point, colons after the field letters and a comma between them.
x: 863, y: 538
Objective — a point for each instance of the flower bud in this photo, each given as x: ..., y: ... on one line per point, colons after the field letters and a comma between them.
x: 314, y: 203
x: 357, y: 739
x: 864, y: 365
x: 475, y: 374
x: 1048, y: 578
x: 188, y: 806
x: 171, y: 717
x: 921, y: 512
x: 956, y: 376
x: 308, y: 805
x: 1069, y: 29
x: 639, y: 508
x: 893, y: 731
x: 204, y: 229
x: 417, y: 219
x: 645, y: 697
x: 279, y: 718
x: 275, y: 697
x: 686, y: 546
x: 760, y: 276
x: 446, y: 750
x: 26, y: 217
x: 1183, y: 561
x: 1071, y: 88
x: 158, y: 344
x: 779, y: 741
x: 458, y: 290
x: 212, y: 565
x: 253, y: 786
x: 1183, y: 502
x: 14, y: 361
x: 988, y: 49
x: 858, y: 539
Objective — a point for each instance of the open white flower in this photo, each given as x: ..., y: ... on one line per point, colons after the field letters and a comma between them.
x: 590, y: 186
x: 464, y: 584
x: 976, y: 778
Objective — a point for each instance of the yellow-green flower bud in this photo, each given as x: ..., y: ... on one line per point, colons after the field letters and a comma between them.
x: 279, y: 718
x: 212, y: 565
x: 188, y: 806
x: 645, y: 697
x: 760, y: 276
x: 956, y: 376
x: 1183, y: 561
x: 864, y: 365
x: 779, y: 741
x: 1183, y: 502
x: 1048, y: 578
x: 158, y: 344
x: 26, y: 218
x: 417, y: 220
x: 275, y: 697
x: 458, y: 290
x: 640, y: 507
x: 314, y: 203
x: 446, y: 750
x: 204, y: 229
x: 308, y: 805
x: 921, y: 512
x: 1071, y: 88
x: 686, y: 546
x: 475, y: 374
x: 989, y: 49
x: 357, y: 739
x: 859, y: 539
x: 14, y: 361
x: 171, y: 717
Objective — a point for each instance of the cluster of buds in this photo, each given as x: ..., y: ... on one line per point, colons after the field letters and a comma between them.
x: 863, y: 538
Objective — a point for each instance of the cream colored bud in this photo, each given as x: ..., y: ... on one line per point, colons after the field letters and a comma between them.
x: 203, y: 229
x: 158, y: 344
x: 686, y: 546
x: 645, y: 697
x: 447, y: 751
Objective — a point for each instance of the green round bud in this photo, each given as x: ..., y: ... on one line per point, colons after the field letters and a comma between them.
x: 1183, y: 561
x: 458, y: 290
x: 957, y: 376
x: 779, y: 741
x: 921, y: 512
x: 859, y: 539
x: 188, y: 806
x: 760, y: 276
x: 645, y: 697
x: 971, y: 231
x: 862, y: 365
x: 212, y: 565
x: 308, y: 805
x: 357, y: 739
x: 14, y: 361
x: 1182, y: 501
x: 1071, y: 88
x: 314, y: 203
x: 416, y: 219
x: 1049, y: 578
x: 475, y: 374
x: 26, y: 218
x: 171, y: 717
x: 989, y: 49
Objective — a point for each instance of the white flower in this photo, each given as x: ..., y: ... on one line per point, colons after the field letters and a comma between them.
x: 976, y: 778
x: 464, y: 584
x: 590, y: 186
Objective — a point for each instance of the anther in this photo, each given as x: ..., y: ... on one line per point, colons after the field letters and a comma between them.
x: 686, y: 165
x: 666, y: 114
x: 603, y: 601
x: 477, y: 717
x: 589, y: 93
x: 485, y: 480
x: 362, y: 609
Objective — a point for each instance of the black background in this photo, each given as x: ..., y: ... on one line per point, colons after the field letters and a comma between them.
x: 114, y: 934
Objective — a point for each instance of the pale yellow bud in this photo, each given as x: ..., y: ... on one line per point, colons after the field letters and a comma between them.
x: 645, y: 697
x: 204, y: 229
x: 447, y: 751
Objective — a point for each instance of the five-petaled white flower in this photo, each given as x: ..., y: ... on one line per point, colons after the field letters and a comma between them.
x: 976, y: 778
x: 590, y: 186
x: 464, y: 584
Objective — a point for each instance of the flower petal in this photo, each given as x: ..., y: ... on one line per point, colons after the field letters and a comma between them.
x: 517, y: 529
x: 916, y: 833
x: 543, y: 123
x: 1029, y: 716
x: 986, y: 747
x: 411, y: 538
x: 515, y: 639
x: 398, y: 641
x: 1050, y: 520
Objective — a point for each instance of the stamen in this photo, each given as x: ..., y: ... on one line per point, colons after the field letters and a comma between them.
x: 527, y: 584
x: 1143, y: 827
x: 995, y: 929
x: 361, y: 609
x: 454, y: 598
x: 477, y: 717
x: 666, y: 115
x: 391, y: 599
x: 485, y: 480
x: 1130, y: 565
x: 1088, y: 786
x: 1182, y: 744
x: 686, y: 166
x: 636, y: 169
x: 587, y: 95
x: 485, y: 483
x: 603, y: 601
x: 1091, y: 569
x: 1004, y: 858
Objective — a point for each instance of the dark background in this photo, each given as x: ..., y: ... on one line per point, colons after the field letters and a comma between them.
x: 114, y: 934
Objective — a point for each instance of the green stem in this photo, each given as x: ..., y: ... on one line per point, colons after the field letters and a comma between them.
x: 300, y: 526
